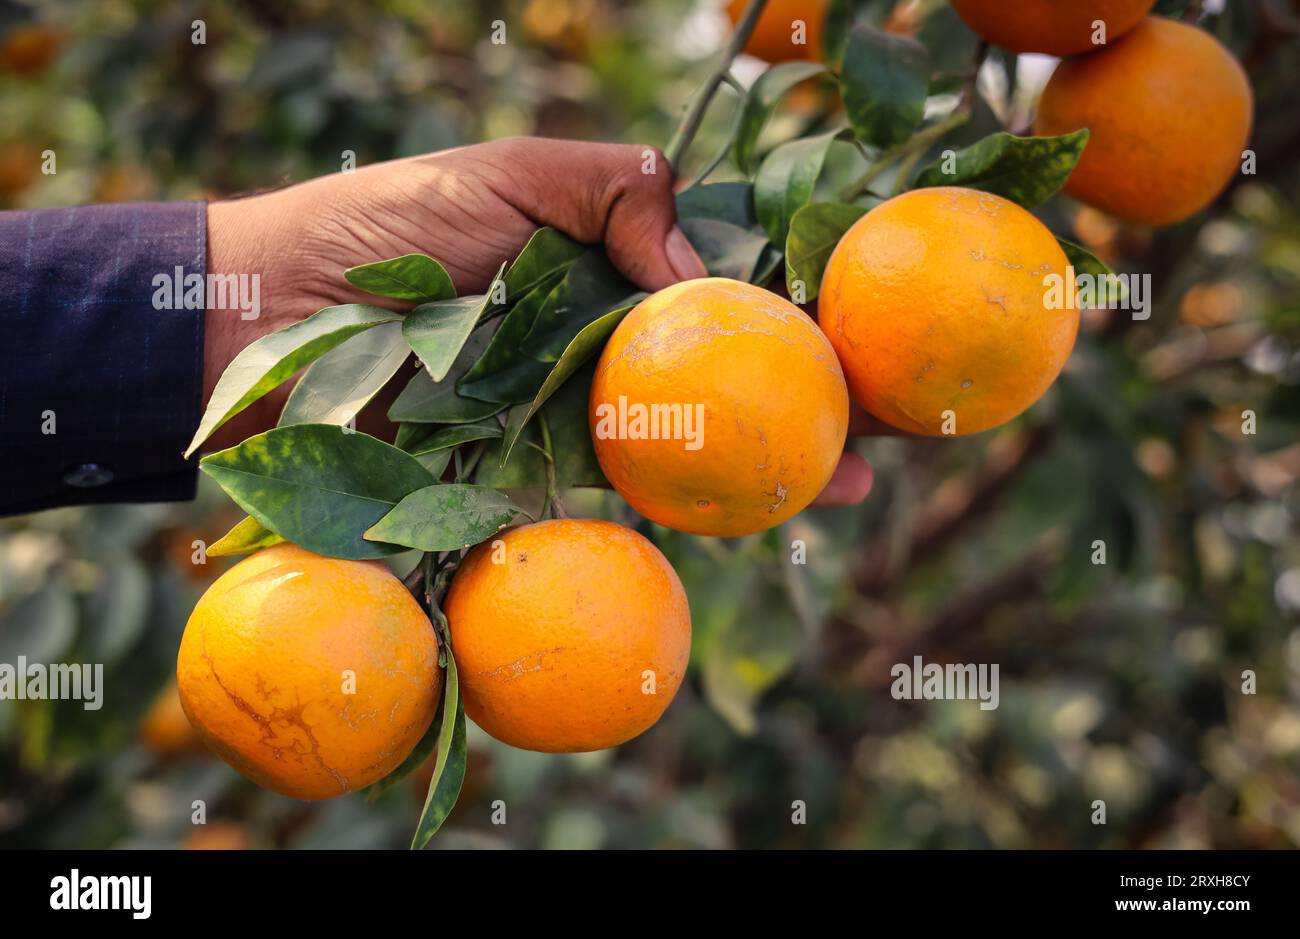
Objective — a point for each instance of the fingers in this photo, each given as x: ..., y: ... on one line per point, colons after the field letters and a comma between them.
x: 850, y: 483
x: 618, y: 194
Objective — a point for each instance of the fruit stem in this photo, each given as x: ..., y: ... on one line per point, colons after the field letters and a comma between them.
x: 552, y: 507
x: 415, y: 580
x: 931, y: 135
x: 703, y: 95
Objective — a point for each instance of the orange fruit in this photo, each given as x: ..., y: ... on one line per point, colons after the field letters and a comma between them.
x: 1170, y: 112
x: 217, y: 836
x: 935, y: 302
x: 165, y: 729
x: 774, y: 33
x: 310, y: 675
x: 29, y: 49
x: 1050, y: 26
x: 761, y: 409
x: 569, y: 635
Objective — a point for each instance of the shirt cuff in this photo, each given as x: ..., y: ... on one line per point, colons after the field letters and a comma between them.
x: 100, y: 372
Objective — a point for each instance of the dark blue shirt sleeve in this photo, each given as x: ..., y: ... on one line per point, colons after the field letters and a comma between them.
x: 99, y: 390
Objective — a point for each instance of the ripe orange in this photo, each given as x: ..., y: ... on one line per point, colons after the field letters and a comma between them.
x: 217, y: 836
x: 1170, y: 112
x: 1050, y: 26
x: 311, y: 676
x: 774, y: 34
x: 29, y: 49
x: 761, y: 409
x: 165, y: 729
x: 570, y: 635
x: 935, y: 303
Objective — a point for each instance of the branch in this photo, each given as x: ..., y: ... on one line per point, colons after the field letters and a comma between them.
x: 700, y: 101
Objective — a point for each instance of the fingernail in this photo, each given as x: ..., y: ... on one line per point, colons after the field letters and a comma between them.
x: 685, y: 262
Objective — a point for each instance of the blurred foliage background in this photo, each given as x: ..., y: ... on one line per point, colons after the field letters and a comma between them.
x: 1119, y: 682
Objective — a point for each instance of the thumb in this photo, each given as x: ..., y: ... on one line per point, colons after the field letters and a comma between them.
x: 618, y: 194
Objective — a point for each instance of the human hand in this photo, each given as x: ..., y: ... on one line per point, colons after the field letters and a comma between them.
x: 471, y: 208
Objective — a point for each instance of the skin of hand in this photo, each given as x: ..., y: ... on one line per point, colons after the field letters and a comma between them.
x: 471, y: 208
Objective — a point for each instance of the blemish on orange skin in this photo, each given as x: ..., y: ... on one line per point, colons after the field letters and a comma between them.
x: 261, y: 663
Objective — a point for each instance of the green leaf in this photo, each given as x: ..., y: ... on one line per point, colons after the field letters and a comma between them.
x: 726, y: 250
x: 815, y: 230
x: 449, y: 770
x: 505, y: 374
x: 455, y: 435
x: 586, y: 344
x: 732, y: 203
x: 566, y: 415
x: 437, y: 331
x: 786, y: 181
x: 727, y: 202
x: 884, y: 82
x: 342, y: 382
x: 410, y: 277
x: 274, y: 358
x: 410, y: 436
x: 1085, y: 262
x: 590, y: 289
x: 951, y: 44
x: 248, y: 536
x: 547, y: 254
x: 119, y: 608
x: 749, y: 653
x: 318, y: 485
x: 435, y: 461
x: 761, y: 101
x: 445, y: 517
x: 425, y: 401
x: 840, y: 17
x: 1026, y: 170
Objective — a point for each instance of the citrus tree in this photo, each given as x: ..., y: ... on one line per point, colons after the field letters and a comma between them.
x: 904, y: 209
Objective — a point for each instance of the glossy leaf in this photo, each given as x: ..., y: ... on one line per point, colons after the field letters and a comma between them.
x: 786, y: 180
x: 504, y: 373
x: 447, y: 437
x: 276, y: 357
x: 586, y: 344
x: 547, y: 254
x: 815, y: 230
x: 884, y: 82
x: 435, y: 461
x: 318, y: 486
x: 1085, y: 262
x: 761, y: 101
x: 590, y: 289
x: 449, y: 770
x: 566, y: 415
x: 840, y: 17
x: 726, y: 250
x: 437, y: 331
x: 342, y: 382
x: 411, y: 277
x: 728, y: 202
x: 1026, y: 170
x: 445, y: 517
x: 248, y: 536
x: 425, y: 401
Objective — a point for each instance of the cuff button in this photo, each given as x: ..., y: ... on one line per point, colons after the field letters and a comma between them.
x: 88, y: 475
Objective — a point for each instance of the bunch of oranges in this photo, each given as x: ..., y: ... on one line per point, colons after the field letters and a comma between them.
x: 716, y: 408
